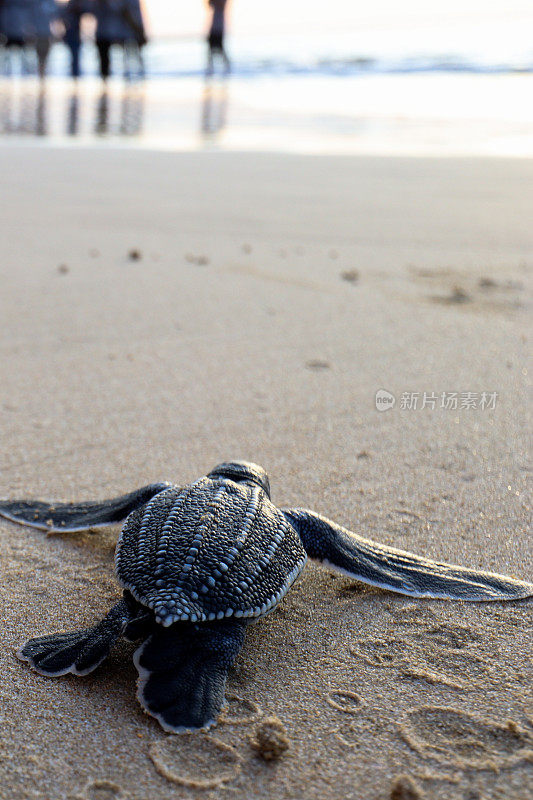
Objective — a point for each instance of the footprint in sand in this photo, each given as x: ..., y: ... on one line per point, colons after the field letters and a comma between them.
x: 423, y: 658
x: 388, y: 652
x: 417, y: 672
x: 449, y: 668
x: 240, y: 711
x: 366, y: 725
x: 464, y: 740
x: 344, y: 700
x: 485, y: 293
x: 460, y: 665
x: 445, y: 647
x: 199, y: 762
x: 103, y: 790
x: 456, y: 636
x: 412, y: 613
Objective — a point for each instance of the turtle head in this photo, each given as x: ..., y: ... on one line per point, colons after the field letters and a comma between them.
x: 242, y: 472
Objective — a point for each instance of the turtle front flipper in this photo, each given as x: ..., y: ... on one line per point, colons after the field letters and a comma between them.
x: 78, y: 652
x: 56, y: 517
x: 398, y: 570
x: 183, y: 670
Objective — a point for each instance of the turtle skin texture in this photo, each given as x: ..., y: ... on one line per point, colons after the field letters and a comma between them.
x: 211, y: 550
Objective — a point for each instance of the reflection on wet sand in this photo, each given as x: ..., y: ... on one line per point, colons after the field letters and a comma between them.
x: 23, y: 113
x: 130, y: 117
x: 73, y: 113
x: 68, y: 109
x: 25, y: 110
x: 214, y: 108
x: 40, y: 113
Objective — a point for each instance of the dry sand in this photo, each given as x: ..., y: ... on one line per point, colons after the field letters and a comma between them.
x: 234, y: 334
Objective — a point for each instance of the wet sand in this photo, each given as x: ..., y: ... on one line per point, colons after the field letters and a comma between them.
x: 431, y: 114
x: 270, y: 298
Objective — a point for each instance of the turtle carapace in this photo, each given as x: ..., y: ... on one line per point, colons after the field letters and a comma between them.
x: 198, y: 563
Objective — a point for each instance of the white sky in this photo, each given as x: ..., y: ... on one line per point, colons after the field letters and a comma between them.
x: 171, y: 17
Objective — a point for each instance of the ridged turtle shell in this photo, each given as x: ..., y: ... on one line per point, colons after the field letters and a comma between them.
x: 211, y: 550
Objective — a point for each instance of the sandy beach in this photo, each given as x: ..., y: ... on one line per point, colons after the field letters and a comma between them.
x: 270, y: 297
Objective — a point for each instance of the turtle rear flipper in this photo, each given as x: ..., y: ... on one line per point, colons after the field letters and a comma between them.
x: 398, y: 570
x: 183, y: 670
x: 78, y: 652
x: 56, y: 517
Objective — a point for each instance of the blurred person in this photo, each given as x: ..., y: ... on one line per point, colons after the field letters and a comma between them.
x: 119, y: 22
x: 27, y: 24
x: 44, y: 13
x: 15, y: 22
x: 215, y: 37
x: 16, y: 28
x: 71, y: 18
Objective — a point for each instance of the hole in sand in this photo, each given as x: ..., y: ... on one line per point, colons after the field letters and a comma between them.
x: 346, y: 701
x: 104, y: 790
x: 197, y: 761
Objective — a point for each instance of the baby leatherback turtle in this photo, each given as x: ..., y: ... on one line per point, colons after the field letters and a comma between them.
x: 198, y: 563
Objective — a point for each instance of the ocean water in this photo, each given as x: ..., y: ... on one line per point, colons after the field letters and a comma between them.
x: 344, y: 55
x: 384, y: 51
